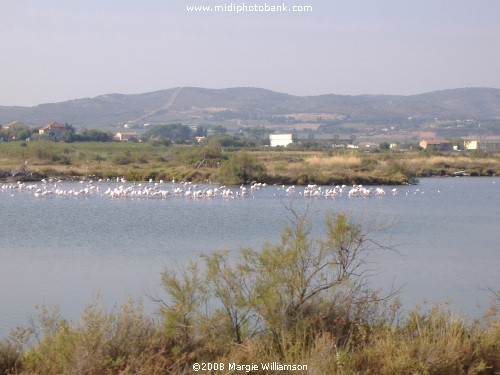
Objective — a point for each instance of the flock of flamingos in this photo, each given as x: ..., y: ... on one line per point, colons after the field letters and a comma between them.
x: 161, y: 190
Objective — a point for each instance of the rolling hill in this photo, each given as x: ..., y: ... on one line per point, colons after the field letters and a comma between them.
x: 257, y: 106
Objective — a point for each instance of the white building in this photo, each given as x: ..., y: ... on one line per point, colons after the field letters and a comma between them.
x: 471, y: 145
x: 125, y: 136
x: 282, y: 139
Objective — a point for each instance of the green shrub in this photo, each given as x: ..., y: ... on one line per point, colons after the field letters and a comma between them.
x: 123, y: 159
x: 316, y: 282
x: 241, y: 168
x: 133, y: 176
x: 55, y: 158
x: 213, y: 150
x: 65, y: 160
x: 368, y: 164
x: 9, y: 357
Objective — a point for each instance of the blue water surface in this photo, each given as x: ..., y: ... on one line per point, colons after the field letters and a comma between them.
x: 64, y: 250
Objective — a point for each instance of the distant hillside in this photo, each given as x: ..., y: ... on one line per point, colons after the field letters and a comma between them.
x: 258, y: 106
x: 102, y: 111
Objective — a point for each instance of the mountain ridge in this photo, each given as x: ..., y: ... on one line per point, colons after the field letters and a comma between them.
x: 204, y: 105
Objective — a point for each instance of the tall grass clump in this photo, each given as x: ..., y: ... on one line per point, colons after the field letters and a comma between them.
x: 341, y: 162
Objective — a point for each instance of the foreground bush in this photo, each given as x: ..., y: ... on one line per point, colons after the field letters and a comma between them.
x: 301, y: 301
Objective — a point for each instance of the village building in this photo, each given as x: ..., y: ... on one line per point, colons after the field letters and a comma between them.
x: 471, y: 145
x: 436, y: 145
x: 55, y: 129
x: 16, y: 125
x: 125, y: 136
x: 282, y: 140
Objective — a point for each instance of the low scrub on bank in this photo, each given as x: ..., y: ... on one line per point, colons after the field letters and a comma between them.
x: 302, y: 301
x: 211, y: 162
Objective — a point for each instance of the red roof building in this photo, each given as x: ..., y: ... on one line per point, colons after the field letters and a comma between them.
x: 57, y: 129
x: 435, y: 144
x: 16, y: 125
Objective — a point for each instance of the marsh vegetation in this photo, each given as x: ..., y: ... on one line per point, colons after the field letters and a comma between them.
x: 214, y: 162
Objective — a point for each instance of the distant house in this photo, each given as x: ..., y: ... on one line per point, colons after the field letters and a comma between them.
x: 126, y: 136
x: 471, y: 145
x: 437, y: 145
x: 16, y: 125
x: 282, y: 139
x: 56, y: 129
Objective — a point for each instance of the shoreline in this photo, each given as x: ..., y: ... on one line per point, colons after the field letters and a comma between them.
x: 140, y: 162
x: 28, y: 175
x: 14, y: 176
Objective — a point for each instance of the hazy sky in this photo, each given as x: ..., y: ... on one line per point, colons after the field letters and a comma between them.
x: 55, y: 50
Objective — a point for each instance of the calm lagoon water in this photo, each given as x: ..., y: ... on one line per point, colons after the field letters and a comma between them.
x: 64, y: 250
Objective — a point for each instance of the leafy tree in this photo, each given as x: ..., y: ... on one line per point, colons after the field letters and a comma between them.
x: 256, y: 132
x: 219, y: 129
x: 172, y: 131
x: 157, y: 141
x: 212, y: 150
x: 200, y: 131
x: 384, y: 146
x: 17, y: 134
x: 94, y: 135
x: 235, y: 141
